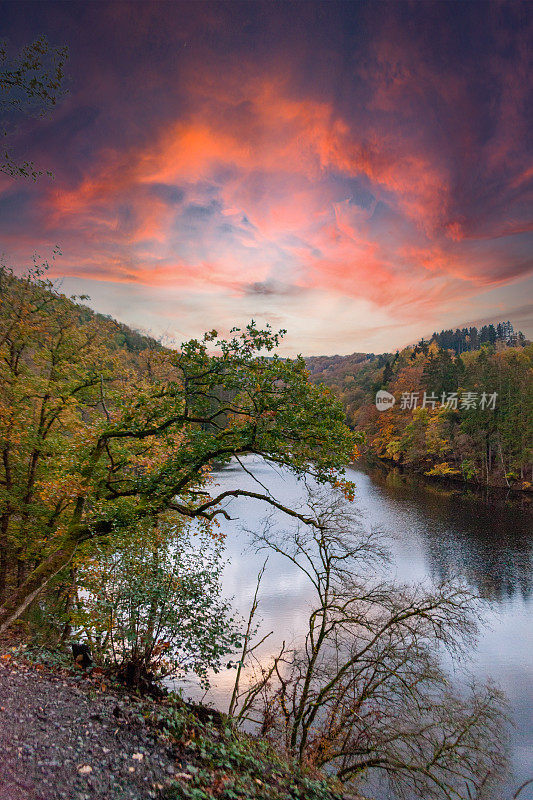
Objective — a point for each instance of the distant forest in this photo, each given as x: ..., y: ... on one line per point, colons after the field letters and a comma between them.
x: 463, y: 403
x: 463, y: 340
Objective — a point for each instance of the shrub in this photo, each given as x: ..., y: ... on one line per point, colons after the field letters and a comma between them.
x: 149, y: 604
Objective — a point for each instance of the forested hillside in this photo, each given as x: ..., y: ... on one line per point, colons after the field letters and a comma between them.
x: 103, y: 432
x: 108, y: 442
x: 463, y: 404
x: 462, y: 340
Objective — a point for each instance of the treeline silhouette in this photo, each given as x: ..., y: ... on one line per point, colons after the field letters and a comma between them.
x: 463, y: 340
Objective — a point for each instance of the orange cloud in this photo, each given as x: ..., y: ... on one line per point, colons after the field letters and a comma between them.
x: 262, y: 173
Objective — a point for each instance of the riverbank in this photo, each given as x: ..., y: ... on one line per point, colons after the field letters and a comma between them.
x: 434, y: 532
x: 496, y: 489
x: 75, y: 736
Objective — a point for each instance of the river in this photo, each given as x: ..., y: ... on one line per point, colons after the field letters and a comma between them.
x: 435, y: 533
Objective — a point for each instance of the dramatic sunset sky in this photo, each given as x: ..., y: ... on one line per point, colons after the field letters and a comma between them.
x: 358, y: 173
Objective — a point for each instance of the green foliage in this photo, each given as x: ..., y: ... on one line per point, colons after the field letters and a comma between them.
x: 440, y: 373
x: 468, y: 469
x: 227, y: 764
x: 98, y: 438
x: 149, y: 602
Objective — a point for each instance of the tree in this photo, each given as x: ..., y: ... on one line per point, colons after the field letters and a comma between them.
x: 148, y: 602
x: 440, y: 373
x: 366, y: 694
x: 387, y: 373
x: 92, y: 443
x: 30, y: 83
x: 484, y: 442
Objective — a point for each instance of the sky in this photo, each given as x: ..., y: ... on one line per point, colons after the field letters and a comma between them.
x: 359, y: 174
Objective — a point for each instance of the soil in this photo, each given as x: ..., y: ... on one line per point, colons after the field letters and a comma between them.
x: 65, y: 738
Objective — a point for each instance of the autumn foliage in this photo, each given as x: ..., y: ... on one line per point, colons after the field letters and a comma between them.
x: 102, y: 430
x: 483, y: 443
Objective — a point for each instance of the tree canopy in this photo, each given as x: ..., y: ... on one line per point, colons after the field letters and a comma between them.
x: 96, y: 437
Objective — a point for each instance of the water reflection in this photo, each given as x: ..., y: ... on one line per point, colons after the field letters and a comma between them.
x: 488, y: 542
x: 436, y: 533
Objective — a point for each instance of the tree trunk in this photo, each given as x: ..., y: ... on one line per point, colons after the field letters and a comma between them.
x: 503, y: 463
x: 4, y: 556
x: 71, y: 591
x: 21, y: 599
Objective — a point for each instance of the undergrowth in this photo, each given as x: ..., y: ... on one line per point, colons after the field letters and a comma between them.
x: 213, y: 758
x: 217, y: 761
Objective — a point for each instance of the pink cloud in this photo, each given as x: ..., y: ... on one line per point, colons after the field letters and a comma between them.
x: 262, y: 169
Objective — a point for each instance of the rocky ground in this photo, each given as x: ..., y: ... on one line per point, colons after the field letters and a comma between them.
x: 73, y: 735
x: 64, y: 738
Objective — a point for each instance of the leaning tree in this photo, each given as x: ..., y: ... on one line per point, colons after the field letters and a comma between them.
x: 96, y: 438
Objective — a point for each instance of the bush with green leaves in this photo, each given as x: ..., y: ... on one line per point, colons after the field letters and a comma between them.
x: 150, y: 605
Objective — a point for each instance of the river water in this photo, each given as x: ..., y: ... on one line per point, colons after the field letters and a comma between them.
x: 435, y: 533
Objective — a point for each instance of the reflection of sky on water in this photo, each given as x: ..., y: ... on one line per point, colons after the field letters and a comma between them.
x: 445, y: 533
x: 434, y: 533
